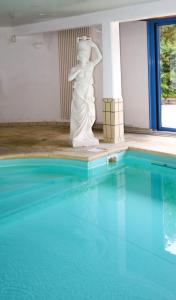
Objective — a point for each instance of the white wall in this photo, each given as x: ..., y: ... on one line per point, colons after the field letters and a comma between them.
x: 29, y: 82
x: 135, y: 73
x: 29, y: 76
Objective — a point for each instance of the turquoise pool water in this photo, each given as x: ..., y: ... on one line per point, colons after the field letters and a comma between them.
x: 106, y: 234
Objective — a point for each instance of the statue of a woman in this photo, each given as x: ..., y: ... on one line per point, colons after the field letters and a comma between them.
x: 83, y: 101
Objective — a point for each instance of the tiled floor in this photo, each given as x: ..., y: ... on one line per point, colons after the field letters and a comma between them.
x: 52, y: 140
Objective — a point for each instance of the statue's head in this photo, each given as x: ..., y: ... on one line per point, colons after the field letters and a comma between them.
x: 83, y: 49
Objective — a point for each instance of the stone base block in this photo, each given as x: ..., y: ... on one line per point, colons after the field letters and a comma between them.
x: 113, y: 123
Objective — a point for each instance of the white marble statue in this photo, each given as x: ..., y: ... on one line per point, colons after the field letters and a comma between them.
x: 83, y: 101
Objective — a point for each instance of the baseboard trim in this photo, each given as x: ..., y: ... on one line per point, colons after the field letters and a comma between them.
x: 149, y: 131
x: 27, y: 124
x: 130, y: 129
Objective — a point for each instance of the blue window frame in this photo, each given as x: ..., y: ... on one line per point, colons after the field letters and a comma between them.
x: 153, y: 36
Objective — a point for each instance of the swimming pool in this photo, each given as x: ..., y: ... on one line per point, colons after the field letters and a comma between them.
x: 88, y: 230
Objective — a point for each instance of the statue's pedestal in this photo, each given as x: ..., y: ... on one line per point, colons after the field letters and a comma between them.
x: 113, y: 121
x: 84, y: 142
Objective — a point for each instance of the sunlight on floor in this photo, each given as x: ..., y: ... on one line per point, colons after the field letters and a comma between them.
x: 169, y: 116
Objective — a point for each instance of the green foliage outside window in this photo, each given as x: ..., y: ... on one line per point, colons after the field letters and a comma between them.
x: 168, y: 61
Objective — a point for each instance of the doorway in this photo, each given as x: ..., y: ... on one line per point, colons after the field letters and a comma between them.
x: 162, y: 73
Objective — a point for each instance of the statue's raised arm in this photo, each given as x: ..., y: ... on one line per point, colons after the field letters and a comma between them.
x: 97, y: 53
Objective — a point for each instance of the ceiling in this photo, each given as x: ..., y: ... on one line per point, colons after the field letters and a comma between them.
x: 17, y: 12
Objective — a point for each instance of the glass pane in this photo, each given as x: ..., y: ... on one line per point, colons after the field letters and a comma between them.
x: 168, y: 75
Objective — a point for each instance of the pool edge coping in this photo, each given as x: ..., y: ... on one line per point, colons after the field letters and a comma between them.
x: 82, y: 157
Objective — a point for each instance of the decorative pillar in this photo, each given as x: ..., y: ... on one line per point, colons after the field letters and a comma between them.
x: 113, y: 124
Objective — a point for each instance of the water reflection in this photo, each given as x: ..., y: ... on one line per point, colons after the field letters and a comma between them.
x: 169, y: 214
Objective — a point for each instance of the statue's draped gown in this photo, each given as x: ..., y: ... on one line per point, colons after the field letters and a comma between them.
x: 83, y: 108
